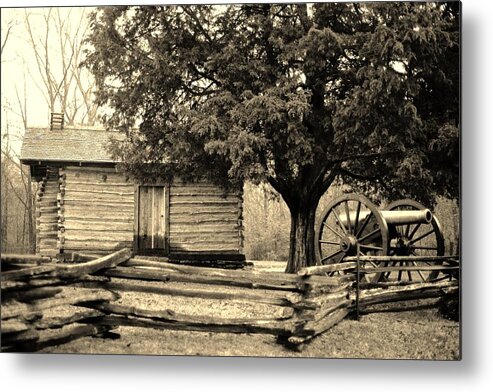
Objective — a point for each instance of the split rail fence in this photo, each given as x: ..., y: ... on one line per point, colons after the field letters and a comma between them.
x: 308, y: 303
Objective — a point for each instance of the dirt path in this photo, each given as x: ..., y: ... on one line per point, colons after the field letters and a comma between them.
x: 406, y: 335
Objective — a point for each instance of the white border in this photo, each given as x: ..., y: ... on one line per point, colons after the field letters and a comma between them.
x: 131, y: 373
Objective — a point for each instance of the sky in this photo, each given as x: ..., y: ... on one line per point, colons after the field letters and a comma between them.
x: 19, y: 70
x: 19, y: 64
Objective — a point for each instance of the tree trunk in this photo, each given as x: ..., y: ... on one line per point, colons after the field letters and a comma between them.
x: 302, y: 237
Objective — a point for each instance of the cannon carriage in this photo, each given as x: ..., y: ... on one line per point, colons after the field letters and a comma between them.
x: 352, y: 225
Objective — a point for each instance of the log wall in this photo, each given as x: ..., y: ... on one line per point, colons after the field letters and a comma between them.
x: 97, y: 210
x: 47, y: 214
x: 202, y: 218
x: 92, y: 210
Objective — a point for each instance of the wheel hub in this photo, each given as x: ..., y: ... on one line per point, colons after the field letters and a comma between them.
x: 349, y: 245
x: 402, y: 246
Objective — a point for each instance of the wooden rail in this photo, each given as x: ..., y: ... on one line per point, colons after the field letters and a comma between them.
x: 366, y: 293
x: 29, y: 292
x: 305, y: 304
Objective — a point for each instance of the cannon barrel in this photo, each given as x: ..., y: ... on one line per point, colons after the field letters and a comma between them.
x: 394, y: 218
x: 407, y: 217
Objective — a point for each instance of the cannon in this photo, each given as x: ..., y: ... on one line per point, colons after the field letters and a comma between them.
x: 352, y: 223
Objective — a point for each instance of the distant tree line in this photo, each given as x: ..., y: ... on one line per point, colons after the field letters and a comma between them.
x: 17, y: 205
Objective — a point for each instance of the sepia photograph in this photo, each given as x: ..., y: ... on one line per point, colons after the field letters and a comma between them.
x: 274, y: 180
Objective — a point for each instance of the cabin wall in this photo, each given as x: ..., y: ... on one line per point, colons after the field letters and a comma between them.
x: 203, y: 219
x: 47, y: 210
x: 97, y: 210
x: 94, y: 210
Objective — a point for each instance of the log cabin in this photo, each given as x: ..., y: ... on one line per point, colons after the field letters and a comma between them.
x: 84, y: 205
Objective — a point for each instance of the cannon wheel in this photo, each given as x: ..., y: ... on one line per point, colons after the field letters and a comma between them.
x: 335, y: 241
x: 419, y: 240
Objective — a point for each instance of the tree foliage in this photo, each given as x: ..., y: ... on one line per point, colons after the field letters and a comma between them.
x: 292, y: 94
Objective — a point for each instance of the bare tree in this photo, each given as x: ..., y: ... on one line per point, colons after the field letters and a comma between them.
x: 55, y: 37
x: 56, y: 42
x: 8, y: 29
x: 17, y: 201
x: 22, y: 102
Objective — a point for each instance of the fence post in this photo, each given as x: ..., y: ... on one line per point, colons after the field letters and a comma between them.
x: 357, y: 280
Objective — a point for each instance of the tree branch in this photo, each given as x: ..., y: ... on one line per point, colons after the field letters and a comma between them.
x: 363, y: 156
x: 197, y: 23
x: 7, y: 177
x: 280, y: 187
x: 327, y: 182
x: 357, y: 176
x: 22, y: 107
x: 6, y: 38
x: 205, y: 75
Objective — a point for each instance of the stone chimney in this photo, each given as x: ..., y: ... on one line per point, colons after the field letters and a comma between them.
x: 56, y: 122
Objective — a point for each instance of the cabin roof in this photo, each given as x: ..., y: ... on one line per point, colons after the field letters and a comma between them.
x: 67, y: 145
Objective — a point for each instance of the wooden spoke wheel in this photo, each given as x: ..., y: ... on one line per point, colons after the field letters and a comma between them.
x: 350, y: 222
x: 415, y: 239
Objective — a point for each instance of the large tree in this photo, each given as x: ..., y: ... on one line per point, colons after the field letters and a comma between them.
x: 292, y: 94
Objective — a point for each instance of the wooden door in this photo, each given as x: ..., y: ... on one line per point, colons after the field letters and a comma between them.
x: 151, y: 218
